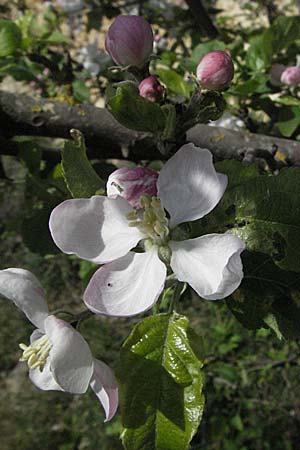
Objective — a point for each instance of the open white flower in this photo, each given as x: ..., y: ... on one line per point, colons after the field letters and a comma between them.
x: 104, y: 230
x: 58, y: 357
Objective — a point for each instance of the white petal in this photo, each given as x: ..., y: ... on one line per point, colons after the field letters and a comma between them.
x: 24, y: 289
x: 95, y: 229
x: 211, y: 264
x: 43, y: 380
x: 189, y: 186
x: 104, y: 384
x: 71, y: 360
x: 127, y: 286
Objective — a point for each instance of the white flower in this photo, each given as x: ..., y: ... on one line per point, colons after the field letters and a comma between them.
x: 104, y: 230
x: 71, y: 6
x: 228, y: 121
x: 58, y: 357
x: 93, y: 59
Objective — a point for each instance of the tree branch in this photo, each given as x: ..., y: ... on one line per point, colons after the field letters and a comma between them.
x: 106, y: 138
x: 202, y: 19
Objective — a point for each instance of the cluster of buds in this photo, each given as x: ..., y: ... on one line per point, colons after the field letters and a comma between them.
x: 129, y: 42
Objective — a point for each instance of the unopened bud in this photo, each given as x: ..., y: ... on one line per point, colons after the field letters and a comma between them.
x: 129, y: 41
x: 151, y: 89
x: 132, y: 183
x: 291, y: 76
x: 215, y: 70
x: 275, y: 74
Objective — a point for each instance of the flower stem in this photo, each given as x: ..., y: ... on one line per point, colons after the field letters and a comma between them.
x: 179, y: 290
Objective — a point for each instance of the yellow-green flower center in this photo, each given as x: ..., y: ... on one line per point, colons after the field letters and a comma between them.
x: 37, y: 353
x: 153, y: 222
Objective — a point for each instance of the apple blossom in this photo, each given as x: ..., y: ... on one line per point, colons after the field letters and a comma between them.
x: 228, y: 121
x: 71, y: 6
x: 291, y: 76
x: 129, y: 41
x: 215, y: 70
x: 58, y: 357
x: 151, y: 89
x: 104, y: 230
x: 131, y: 183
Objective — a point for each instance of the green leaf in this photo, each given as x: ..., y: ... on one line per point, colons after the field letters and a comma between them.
x: 80, y: 177
x: 174, y: 82
x: 202, y: 49
x: 10, y: 37
x: 134, y: 111
x: 262, y: 210
x: 56, y: 38
x: 288, y: 120
x: 35, y: 231
x: 80, y: 91
x: 267, y: 297
x: 160, y: 385
x: 282, y: 33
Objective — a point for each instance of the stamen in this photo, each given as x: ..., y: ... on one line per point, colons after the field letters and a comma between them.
x: 153, y: 223
x: 37, y: 353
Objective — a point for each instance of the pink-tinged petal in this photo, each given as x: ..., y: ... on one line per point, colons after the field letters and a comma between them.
x: 127, y: 286
x: 189, y: 185
x: 104, y: 384
x: 210, y: 264
x: 95, y: 229
x: 71, y: 360
x: 24, y: 289
x: 132, y: 182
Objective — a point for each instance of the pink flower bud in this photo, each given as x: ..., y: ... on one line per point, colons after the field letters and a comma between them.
x: 275, y: 74
x: 215, y: 70
x: 46, y: 71
x: 32, y: 84
x: 291, y: 76
x: 151, y: 89
x: 131, y: 183
x: 129, y: 41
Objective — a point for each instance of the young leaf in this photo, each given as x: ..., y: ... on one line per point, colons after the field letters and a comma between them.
x: 10, y: 37
x: 268, y: 296
x: 136, y: 112
x: 80, y: 177
x: 262, y: 210
x: 161, y: 385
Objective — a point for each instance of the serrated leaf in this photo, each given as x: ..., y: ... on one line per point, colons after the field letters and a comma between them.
x: 160, y: 384
x: 136, y: 112
x: 268, y: 296
x: 262, y: 210
x: 81, y: 179
x: 10, y: 37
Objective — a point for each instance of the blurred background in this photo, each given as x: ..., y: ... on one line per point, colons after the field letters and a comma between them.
x: 252, y: 383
